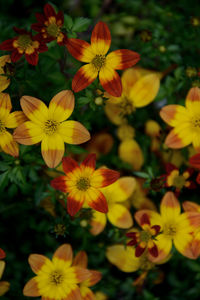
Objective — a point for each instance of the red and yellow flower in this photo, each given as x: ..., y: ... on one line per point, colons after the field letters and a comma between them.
x: 50, y: 25
x: 7, y: 121
x: 94, y: 55
x: 4, y: 80
x: 118, y: 214
x: 48, y: 125
x: 144, y: 239
x: 173, y: 178
x: 185, y: 120
x: 175, y: 227
x: 81, y: 260
x: 83, y: 183
x: 24, y: 44
x: 56, y: 279
x: 139, y: 88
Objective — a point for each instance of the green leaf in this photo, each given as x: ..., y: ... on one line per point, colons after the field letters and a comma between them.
x: 141, y: 174
x: 68, y: 22
x: 81, y: 24
x: 83, y: 100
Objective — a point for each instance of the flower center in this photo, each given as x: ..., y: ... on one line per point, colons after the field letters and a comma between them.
x: 170, y: 230
x: 145, y: 236
x: 2, y: 127
x: 56, y: 277
x: 50, y: 127
x: 53, y: 30
x: 179, y: 181
x: 126, y: 106
x: 24, y: 41
x: 83, y: 184
x: 196, y: 122
x: 99, y: 61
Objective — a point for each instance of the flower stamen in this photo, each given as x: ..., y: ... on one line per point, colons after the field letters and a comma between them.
x: 56, y: 277
x: 99, y: 61
x: 50, y: 127
x: 83, y: 184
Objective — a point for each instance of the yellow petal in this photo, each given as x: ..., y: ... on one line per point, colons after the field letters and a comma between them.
x: 2, y: 267
x: 15, y: 119
x: 8, y: 144
x: 114, y: 113
x: 5, y: 106
x: 130, y: 152
x: 97, y: 222
x: 119, y: 216
x: 170, y: 207
x: 4, y: 287
x: 145, y: 90
x: 4, y: 83
x: 28, y: 133
x: 73, y: 132
x: 52, y: 150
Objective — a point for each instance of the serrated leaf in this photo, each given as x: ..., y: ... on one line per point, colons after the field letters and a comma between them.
x: 68, y: 22
x: 81, y: 24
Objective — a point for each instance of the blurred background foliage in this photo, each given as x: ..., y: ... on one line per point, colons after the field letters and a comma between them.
x: 167, y: 36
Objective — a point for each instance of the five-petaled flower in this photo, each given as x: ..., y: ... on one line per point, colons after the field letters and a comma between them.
x: 9, y: 120
x: 94, y: 55
x: 50, y: 25
x: 48, y: 125
x: 56, y: 279
x: 83, y: 183
x: 144, y: 239
x: 185, y: 120
x: 22, y: 44
x: 175, y: 226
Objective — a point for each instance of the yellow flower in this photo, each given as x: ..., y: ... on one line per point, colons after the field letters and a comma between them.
x: 125, y: 132
x: 4, y: 285
x: 139, y: 88
x: 118, y: 214
x: 4, y: 80
x: 185, y: 120
x: 176, y: 227
x: 57, y: 279
x: 9, y: 120
x: 48, y: 125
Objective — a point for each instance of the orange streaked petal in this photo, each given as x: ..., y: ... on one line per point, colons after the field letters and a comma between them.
x: 120, y: 216
x: 64, y: 253
x: 195, y: 161
x: 5, y: 106
x: 145, y: 90
x: 31, y: 288
x: 74, y: 203
x: 60, y: 183
x: 52, y: 150
x: 89, y: 161
x: 69, y: 164
x: 173, y: 140
x: 61, y: 106
x: 4, y: 287
x: 122, y: 59
x: 81, y: 259
x: 182, y: 241
x: 15, y: 119
x: 101, y: 38
x: 73, y: 132
x: 34, y: 109
x: 81, y: 274
x: 8, y: 144
x: 28, y: 133
x: 4, y: 83
x: 36, y: 261
x: 170, y: 206
x: 73, y: 295
x: 110, y: 81
x: 81, y: 50
x: 191, y: 206
x: 84, y: 77
x: 96, y: 200
x: 97, y: 222
x: 95, y: 276
x: 172, y: 114
x: 192, y: 96
x: 86, y: 293
x: 103, y: 177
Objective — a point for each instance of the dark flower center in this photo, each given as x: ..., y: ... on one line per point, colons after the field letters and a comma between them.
x: 50, y: 127
x: 56, y: 277
x: 53, y: 30
x: 83, y: 184
x: 99, y: 61
x: 24, y: 41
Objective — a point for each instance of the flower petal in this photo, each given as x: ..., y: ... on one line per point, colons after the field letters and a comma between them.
x: 4, y: 287
x: 103, y: 177
x: 174, y: 114
x: 4, y: 83
x: 34, y: 109
x: 52, y: 150
x: 120, y: 216
x: 97, y: 222
x: 95, y: 276
x: 195, y: 161
x: 37, y: 261
x: 101, y: 38
x: 122, y: 59
x: 80, y: 49
x: 5, y: 106
x: 81, y: 259
x: 73, y: 295
x: 75, y: 202
x: 60, y: 183
x: 81, y: 274
x: 170, y: 207
x: 178, y: 138
x: 192, y: 96
x: 130, y: 152
x: 8, y: 144
x: 86, y: 293
x: 110, y: 81
x: 73, y: 132
x: 31, y: 288
x: 96, y: 200
x: 15, y: 119
x: 61, y: 106
x: 84, y: 77
x: 145, y: 90
x: 89, y: 161
x: 28, y: 133
x: 191, y: 206
x: 64, y: 253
